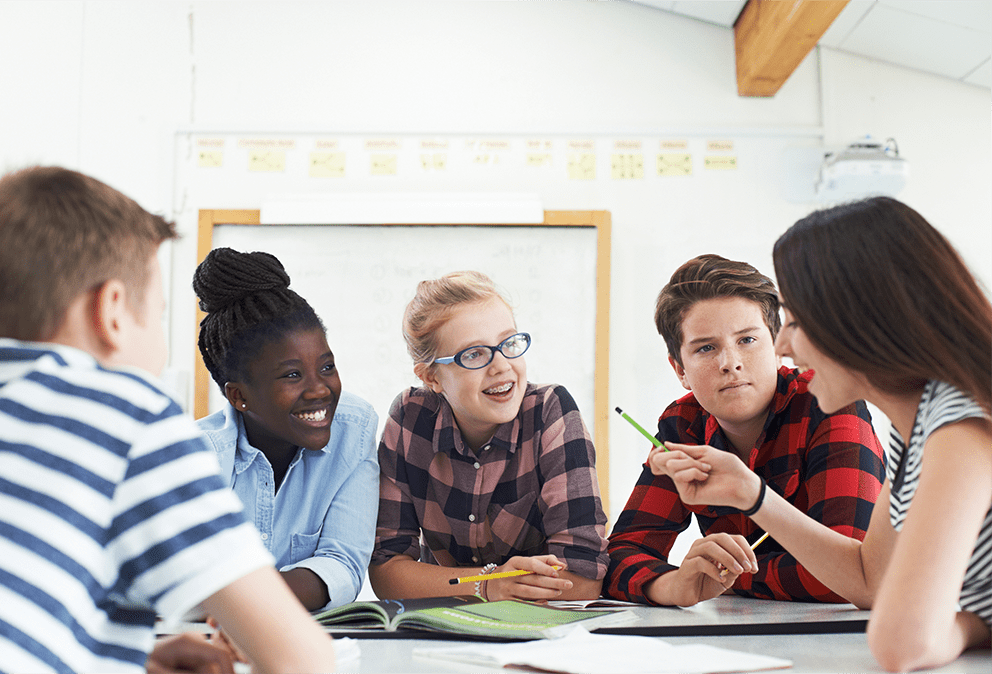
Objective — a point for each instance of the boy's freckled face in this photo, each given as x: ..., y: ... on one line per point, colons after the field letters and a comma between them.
x: 728, y: 360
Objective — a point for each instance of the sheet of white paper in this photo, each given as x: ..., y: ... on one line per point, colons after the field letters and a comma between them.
x: 580, y: 652
x: 346, y: 653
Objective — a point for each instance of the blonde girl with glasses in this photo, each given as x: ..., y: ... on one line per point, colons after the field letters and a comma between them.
x: 481, y: 471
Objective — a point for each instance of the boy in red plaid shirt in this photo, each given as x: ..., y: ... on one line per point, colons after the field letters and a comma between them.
x: 719, y: 319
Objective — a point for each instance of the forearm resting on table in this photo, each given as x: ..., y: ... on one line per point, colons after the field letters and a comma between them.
x: 663, y: 589
x: 403, y: 577
x: 308, y: 587
x: 582, y: 587
x: 281, y: 638
x: 687, y: 585
x: 909, y: 642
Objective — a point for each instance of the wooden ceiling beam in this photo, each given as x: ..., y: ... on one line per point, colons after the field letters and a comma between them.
x: 772, y: 37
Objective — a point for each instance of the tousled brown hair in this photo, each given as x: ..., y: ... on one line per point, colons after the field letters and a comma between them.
x: 878, y: 289
x: 63, y: 233
x: 709, y: 277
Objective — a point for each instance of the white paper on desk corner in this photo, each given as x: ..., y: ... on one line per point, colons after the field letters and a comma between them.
x: 346, y: 654
x: 580, y: 652
x: 346, y: 650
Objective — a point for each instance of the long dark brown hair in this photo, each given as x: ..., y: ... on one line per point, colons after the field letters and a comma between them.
x: 875, y: 287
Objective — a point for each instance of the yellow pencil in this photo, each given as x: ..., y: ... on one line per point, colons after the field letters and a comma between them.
x: 724, y: 572
x: 758, y: 542
x: 492, y: 576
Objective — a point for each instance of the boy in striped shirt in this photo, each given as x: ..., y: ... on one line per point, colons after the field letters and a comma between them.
x: 111, y: 509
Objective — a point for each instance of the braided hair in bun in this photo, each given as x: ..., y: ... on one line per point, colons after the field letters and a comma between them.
x: 248, y: 303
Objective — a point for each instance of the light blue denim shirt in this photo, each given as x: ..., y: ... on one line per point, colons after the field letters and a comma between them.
x: 323, y: 516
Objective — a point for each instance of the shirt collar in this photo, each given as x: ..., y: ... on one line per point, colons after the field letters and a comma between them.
x: 790, y: 382
x: 245, y: 453
x: 73, y: 356
x: 447, y: 427
x: 69, y: 354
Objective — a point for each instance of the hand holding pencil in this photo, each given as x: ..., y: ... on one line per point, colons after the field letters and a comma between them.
x: 724, y: 571
x: 529, y: 578
x: 495, y: 575
x: 661, y: 460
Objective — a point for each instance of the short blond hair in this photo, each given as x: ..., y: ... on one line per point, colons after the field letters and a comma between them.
x: 432, y: 305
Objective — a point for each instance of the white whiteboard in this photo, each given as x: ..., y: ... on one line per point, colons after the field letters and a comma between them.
x: 359, y: 279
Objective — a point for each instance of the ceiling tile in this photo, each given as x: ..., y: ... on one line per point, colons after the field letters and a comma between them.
x: 657, y: 4
x: 974, y: 14
x: 845, y: 22
x: 982, y: 75
x: 720, y: 12
x: 914, y: 41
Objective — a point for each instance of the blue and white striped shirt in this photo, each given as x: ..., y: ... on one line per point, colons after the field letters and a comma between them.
x: 111, y: 512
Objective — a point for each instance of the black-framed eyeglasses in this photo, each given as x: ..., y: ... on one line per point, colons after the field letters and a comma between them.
x: 477, y: 357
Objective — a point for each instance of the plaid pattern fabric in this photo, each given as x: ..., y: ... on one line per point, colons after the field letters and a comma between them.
x: 532, y: 490
x: 829, y: 466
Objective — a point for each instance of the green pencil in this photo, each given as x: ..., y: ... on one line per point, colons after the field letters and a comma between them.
x: 655, y: 441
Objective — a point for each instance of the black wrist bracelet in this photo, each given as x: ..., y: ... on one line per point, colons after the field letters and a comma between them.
x: 757, y: 504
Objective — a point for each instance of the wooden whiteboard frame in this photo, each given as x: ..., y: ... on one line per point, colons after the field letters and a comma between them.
x: 600, y: 220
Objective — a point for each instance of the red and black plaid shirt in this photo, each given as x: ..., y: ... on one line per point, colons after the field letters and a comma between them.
x: 829, y: 466
x: 531, y: 490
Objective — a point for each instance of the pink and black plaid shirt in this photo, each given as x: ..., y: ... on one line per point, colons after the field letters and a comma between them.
x: 829, y: 466
x: 531, y: 490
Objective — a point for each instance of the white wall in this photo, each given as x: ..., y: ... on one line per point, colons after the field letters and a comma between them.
x: 103, y: 87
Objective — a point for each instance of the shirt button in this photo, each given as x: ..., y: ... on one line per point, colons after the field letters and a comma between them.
x: 471, y: 518
x: 265, y: 537
x: 486, y: 447
x: 475, y: 560
x: 477, y: 465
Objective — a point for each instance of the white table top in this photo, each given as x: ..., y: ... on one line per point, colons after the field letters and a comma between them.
x: 820, y: 653
x: 780, y: 629
x: 730, y: 614
x: 815, y: 637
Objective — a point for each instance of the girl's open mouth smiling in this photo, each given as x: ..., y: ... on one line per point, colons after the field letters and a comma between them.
x: 500, y: 390
x: 315, y: 417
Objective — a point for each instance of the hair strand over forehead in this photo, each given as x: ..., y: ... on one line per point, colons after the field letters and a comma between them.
x: 709, y: 277
x: 433, y: 303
